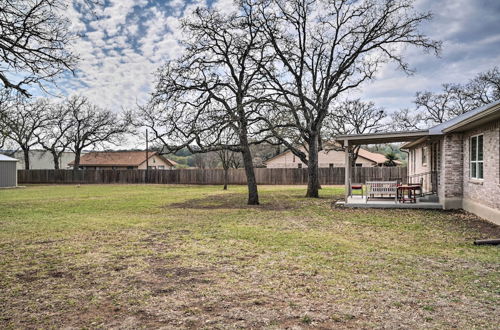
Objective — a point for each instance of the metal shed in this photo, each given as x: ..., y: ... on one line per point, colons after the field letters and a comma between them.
x: 8, y: 172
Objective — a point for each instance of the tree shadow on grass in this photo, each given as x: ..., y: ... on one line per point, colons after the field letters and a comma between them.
x: 233, y: 201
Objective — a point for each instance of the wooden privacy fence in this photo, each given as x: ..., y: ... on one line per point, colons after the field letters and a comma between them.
x: 285, y: 176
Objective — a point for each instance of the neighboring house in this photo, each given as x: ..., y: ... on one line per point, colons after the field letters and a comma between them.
x: 40, y: 159
x: 130, y: 160
x: 327, y: 158
x: 458, y: 160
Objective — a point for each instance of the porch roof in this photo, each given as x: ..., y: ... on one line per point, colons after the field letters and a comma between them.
x: 385, y: 137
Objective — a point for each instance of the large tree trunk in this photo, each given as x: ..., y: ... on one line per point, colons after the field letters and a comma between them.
x: 253, y: 195
x: 55, y: 157
x: 76, y: 163
x: 226, y: 177
x: 312, y: 169
x: 26, y: 154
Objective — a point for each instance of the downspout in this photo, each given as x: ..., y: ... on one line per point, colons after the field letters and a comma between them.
x: 407, y: 152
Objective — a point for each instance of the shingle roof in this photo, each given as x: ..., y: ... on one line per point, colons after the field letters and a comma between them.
x: 117, y: 158
x: 438, y: 129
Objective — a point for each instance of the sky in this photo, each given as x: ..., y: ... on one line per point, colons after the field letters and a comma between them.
x: 122, y: 46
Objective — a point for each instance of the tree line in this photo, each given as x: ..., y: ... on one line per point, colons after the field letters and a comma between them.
x: 72, y: 124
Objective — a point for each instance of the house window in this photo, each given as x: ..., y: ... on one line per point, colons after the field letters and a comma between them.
x: 330, y: 165
x: 476, y: 157
x: 299, y: 165
x: 130, y: 167
x: 359, y: 165
x: 161, y: 167
x: 424, y: 156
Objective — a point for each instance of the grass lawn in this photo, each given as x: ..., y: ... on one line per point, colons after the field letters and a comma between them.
x: 136, y: 256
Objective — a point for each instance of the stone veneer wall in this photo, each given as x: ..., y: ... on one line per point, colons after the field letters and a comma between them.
x: 487, y: 191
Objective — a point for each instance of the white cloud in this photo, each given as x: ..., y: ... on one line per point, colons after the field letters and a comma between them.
x: 131, y: 39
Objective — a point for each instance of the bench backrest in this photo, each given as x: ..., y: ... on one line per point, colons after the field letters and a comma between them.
x: 381, y: 187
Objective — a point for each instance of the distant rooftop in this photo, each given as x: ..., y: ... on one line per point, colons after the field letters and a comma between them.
x: 4, y: 158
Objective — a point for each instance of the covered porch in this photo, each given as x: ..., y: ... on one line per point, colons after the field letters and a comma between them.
x: 417, y: 191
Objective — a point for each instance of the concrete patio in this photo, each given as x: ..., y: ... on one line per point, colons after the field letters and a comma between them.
x: 387, y: 203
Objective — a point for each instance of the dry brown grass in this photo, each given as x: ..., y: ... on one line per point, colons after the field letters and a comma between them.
x: 197, y: 257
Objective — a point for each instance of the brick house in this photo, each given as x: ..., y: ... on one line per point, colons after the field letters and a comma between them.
x: 124, y: 160
x: 463, y: 154
x: 458, y: 161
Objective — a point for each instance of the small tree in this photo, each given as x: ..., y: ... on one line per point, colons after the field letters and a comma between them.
x: 54, y: 136
x: 391, y: 159
x: 354, y: 117
x: 22, y: 120
x: 5, y: 104
x: 92, y: 126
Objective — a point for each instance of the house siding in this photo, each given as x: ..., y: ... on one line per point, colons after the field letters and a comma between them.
x: 415, y: 165
x: 418, y: 171
x: 43, y: 160
x: 325, y: 158
x: 485, y: 192
x: 155, y: 161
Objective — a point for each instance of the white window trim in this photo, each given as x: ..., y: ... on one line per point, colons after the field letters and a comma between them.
x: 476, y: 178
x: 424, y: 153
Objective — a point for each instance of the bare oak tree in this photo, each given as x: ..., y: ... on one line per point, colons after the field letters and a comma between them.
x: 229, y: 159
x: 5, y: 104
x: 209, y: 93
x: 353, y: 117
x: 323, y: 49
x: 54, y: 136
x: 92, y: 126
x: 485, y: 87
x: 22, y: 121
x: 34, y: 35
x: 434, y: 108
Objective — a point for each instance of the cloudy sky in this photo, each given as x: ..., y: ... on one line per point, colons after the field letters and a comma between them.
x: 131, y: 38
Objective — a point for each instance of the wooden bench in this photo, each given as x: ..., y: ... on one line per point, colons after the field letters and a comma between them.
x: 382, y: 188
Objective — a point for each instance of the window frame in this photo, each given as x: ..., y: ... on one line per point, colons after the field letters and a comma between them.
x: 424, y: 156
x: 475, y: 163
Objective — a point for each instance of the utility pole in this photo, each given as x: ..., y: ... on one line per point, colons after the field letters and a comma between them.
x: 147, y: 158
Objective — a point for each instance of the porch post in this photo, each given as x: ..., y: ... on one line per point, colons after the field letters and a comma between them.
x: 347, y: 169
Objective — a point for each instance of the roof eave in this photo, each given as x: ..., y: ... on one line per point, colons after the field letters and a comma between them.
x: 483, y: 117
x: 376, y: 138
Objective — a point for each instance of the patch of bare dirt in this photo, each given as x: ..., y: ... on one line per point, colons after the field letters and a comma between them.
x: 473, y: 223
